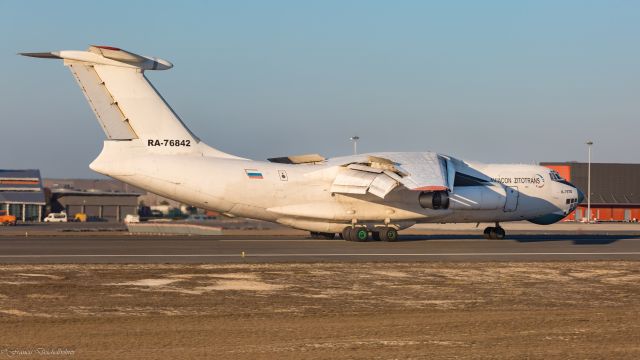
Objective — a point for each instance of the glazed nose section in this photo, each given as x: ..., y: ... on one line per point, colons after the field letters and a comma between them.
x: 580, y: 195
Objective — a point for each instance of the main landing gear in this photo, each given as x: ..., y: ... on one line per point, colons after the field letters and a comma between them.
x: 359, y: 233
x: 494, y: 233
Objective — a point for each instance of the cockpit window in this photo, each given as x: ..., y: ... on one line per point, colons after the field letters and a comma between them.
x: 555, y: 176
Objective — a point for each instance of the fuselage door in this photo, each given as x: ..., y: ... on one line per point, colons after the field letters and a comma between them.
x: 511, y: 204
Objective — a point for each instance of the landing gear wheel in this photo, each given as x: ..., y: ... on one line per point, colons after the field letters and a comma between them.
x: 360, y: 234
x: 375, y: 235
x: 389, y: 234
x: 350, y: 234
x: 346, y: 233
x: 314, y: 235
x: 355, y: 234
x: 494, y: 233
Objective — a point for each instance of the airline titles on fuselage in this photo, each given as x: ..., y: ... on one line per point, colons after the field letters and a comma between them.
x: 536, y: 180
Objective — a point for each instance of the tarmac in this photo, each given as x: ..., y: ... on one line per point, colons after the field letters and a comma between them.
x: 283, y: 245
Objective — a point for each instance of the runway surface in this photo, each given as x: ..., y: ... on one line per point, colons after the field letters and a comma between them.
x: 230, y: 249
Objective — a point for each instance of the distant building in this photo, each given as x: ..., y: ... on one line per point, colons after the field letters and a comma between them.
x: 96, y: 204
x: 22, y: 194
x: 95, y: 184
x: 145, y: 197
x: 615, y: 189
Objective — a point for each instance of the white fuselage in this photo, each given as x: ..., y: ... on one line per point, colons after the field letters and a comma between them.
x: 150, y: 147
x: 299, y: 195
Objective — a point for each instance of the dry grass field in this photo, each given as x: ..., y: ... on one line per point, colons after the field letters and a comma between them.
x: 497, y: 310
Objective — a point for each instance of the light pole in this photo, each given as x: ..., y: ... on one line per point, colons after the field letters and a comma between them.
x: 589, y: 143
x: 355, y: 143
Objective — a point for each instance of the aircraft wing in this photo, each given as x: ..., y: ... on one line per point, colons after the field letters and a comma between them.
x: 380, y: 173
x: 425, y: 171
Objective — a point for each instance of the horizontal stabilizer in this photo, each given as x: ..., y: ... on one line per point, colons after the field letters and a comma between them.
x: 42, y: 55
x: 114, y: 53
x: 106, y: 55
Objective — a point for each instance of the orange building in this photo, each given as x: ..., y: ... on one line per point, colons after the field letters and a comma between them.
x: 615, y: 189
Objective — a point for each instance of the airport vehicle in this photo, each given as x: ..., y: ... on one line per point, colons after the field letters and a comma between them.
x: 56, y: 217
x: 80, y: 217
x: 375, y: 194
x: 130, y: 219
x: 7, y: 219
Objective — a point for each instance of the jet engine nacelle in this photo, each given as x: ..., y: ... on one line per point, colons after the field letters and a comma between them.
x: 478, y: 198
x: 434, y: 200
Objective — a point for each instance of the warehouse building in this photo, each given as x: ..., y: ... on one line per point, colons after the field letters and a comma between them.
x: 113, y: 185
x: 22, y: 194
x: 615, y: 189
x: 85, y: 184
x: 100, y: 205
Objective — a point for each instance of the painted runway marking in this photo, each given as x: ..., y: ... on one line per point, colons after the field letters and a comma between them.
x: 320, y: 254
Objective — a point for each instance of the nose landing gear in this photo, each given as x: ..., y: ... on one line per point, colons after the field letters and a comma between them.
x: 494, y: 233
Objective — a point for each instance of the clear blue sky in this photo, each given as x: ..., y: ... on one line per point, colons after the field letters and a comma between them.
x: 493, y: 81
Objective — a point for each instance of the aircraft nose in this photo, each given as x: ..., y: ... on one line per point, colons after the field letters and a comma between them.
x: 580, y: 195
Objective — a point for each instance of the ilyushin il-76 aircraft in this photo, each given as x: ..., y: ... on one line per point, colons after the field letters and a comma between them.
x: 358, y: 197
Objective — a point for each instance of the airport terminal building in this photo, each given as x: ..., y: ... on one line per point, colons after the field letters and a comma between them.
x: 615, y: 189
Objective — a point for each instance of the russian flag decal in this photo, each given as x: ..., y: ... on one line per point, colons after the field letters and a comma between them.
x: 253, y: 174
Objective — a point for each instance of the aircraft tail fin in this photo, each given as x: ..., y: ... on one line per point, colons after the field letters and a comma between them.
x: 126, y: 104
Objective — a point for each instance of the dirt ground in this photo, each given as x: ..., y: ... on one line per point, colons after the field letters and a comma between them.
x: 448, y: 310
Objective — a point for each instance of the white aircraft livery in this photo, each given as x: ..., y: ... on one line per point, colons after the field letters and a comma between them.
x: 359, y: 197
